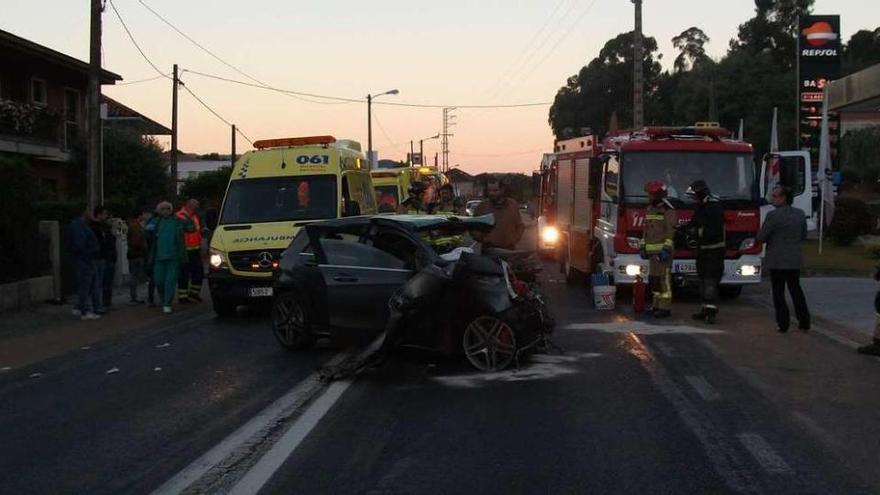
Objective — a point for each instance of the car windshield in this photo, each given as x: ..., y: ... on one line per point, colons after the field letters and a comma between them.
x: 730, y: 176
x: 277, y: 199
x: 387, y: 198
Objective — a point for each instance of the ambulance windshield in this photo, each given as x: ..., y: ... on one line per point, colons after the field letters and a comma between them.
x: 278, y: 199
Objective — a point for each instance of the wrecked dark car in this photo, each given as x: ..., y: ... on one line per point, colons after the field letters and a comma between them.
x: 417, y: 278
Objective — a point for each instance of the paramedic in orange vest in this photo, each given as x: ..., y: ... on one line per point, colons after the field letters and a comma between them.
x: 191, y: 271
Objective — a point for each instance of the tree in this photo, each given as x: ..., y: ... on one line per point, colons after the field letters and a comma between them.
x: 860, y: 156
x: 862, y: 51
x: 20, y: 255
x: 692, y: 46
x: 135, y: 173
x: 604, y: 86
x: 773, y: 29
x: 208, y: 187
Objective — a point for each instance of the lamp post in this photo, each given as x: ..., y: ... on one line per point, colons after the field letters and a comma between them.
x: 422, y: 146
x: 370, y: 122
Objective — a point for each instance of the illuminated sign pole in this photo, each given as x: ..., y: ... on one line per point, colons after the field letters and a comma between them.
x: 819, y: 54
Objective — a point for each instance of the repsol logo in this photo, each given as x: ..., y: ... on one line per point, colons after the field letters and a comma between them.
x: 816, y: 52
x: 263, y: 238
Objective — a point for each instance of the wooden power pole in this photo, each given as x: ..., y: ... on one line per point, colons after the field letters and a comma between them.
x: 232, y: 157
x: 638, y: 77
x: 175, y: 82
x: 94, y: 174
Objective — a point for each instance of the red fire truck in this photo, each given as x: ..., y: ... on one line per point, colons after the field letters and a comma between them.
x: 593, y: 200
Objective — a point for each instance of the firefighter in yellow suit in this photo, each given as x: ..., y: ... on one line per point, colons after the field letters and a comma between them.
x: 657, y: 245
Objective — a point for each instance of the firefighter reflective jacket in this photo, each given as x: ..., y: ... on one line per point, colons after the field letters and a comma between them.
x: 193, y: 240
x: 659, y: 228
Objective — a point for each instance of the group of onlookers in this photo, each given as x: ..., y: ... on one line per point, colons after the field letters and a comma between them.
x: 164, y: 249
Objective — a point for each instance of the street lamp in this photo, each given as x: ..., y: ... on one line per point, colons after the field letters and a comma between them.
x: 422, y: 146
x: 370, y: 122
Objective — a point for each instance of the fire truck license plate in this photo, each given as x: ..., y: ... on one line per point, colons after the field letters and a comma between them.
x: 260, y: 292
x: 686, y: 268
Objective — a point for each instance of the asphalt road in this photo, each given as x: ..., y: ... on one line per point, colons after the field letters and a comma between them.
x: 214, y: 405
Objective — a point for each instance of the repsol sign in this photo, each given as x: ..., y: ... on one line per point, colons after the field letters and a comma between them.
x: 818, y: 52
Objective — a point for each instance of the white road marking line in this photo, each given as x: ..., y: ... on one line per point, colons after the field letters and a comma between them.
x: 764, y: 454
x: 704, y: 388
x: 666, y: 349
x: 244, y: 435
x: 263, y: 470
x: 640, y: 328
x: 712, y: 346
x: 725, y: 458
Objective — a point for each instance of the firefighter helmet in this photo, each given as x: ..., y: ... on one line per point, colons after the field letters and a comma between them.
x: 698, y: 190
x: 656, y: 189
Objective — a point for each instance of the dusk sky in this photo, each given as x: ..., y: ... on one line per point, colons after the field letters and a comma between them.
x: 443, y: 53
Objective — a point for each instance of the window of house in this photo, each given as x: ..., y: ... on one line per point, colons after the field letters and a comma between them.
x: 39, y: 92
x: 71, y: 106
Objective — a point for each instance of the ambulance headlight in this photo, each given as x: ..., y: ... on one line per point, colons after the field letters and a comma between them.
x: 217, y: 259
x: 749, y: 270
x: 550, y: 235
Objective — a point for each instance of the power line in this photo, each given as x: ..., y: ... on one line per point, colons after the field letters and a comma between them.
x: 385, y: 134
x: 138, y: 81
x: 134, y: 42
x: 208, y: 107
x: 355, y: 100
x: 217, y: 57
x: 558, y: 42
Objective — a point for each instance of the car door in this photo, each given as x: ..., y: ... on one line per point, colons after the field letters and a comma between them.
x: 360, y: 279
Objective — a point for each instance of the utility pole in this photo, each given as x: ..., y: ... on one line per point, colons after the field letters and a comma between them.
x: 412, y: 151
x: 175, y: 82
x: 638, y: 82
x: 370, y: 129
x: 444, y: 147
x: 232, y: 157
x: 95, y: 174
x: 435, y: 159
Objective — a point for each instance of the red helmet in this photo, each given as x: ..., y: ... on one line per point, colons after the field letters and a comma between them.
x: 656, y: 189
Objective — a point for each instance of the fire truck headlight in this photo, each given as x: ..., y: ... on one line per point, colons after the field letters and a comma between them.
x: 749, y: 270
x: 633, y: 242
x: 633, y: 270
x: 747, y: 244
x: 550, y: 234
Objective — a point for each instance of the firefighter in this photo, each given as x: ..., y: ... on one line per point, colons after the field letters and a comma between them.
x: 657, y: 245
x: 706, y: 232
x: 191, y: 271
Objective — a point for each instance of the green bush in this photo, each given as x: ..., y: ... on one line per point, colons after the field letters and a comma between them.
x: 207, y: 187
x: 22, y: 252
x: 851, y: 219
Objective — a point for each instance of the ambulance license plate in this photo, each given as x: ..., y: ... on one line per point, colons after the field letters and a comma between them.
x: 260, y: 292
x: 686, y: 268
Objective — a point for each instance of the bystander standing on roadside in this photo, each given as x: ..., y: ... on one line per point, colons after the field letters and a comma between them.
x: 168, y: 252
x: 192, y: 270
x: 137, y: 250
x: 106, y: 261
x: 84, y: 250
x: 509, y: 226
x: 873, y: 349
x: 783, y: 231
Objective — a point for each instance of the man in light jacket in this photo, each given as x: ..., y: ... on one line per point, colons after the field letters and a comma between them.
x: 783, y: 231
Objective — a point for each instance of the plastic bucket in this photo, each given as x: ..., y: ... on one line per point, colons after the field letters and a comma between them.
x: 604, y: 296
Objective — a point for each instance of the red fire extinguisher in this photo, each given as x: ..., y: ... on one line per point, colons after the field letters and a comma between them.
x: 639, y: 295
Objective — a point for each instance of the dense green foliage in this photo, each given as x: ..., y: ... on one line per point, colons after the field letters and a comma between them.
x: 851, y: 219
x: 860, y: 154
x: 756, y: 74
x: 135, y: 174
x: 207, y: 187
x: 21, y: 253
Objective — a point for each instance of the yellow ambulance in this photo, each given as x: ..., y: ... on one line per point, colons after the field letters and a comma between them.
x: 391, y: 186
x: 274, y: 190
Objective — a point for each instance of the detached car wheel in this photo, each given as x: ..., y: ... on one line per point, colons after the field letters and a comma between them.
x: 290, y: 322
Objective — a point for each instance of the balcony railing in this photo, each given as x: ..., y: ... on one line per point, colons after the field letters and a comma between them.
x: 30, y: 123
